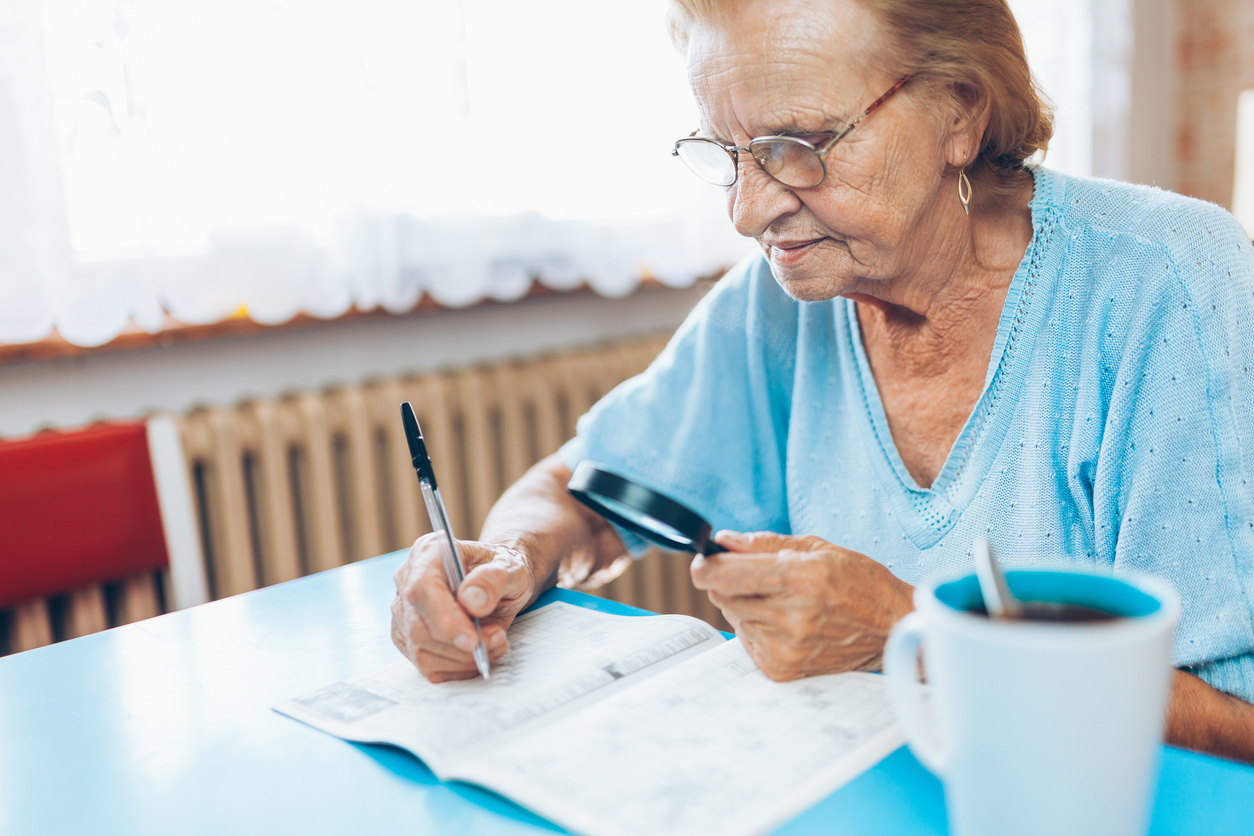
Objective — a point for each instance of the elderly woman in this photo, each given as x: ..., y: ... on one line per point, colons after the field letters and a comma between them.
x: 939, y: 341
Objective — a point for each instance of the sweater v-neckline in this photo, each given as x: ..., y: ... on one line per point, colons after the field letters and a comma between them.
x: 927, y: 514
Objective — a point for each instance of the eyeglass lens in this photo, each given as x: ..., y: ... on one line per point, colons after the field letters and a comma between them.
x: 789, y: 161
x: 708, y: 160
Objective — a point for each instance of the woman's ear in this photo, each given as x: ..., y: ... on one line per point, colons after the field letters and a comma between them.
x: 968, y: 120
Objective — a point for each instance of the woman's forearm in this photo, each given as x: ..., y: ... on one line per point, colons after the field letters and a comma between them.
x: 1206, y: 720
x: 560, y: 538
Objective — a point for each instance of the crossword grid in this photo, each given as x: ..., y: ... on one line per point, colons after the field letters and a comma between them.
x: 709, y: 746
x: 702, y: 748
x: 558, y: 654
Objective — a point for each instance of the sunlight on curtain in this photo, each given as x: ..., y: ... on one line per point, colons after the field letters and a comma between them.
x: 195, y: 158
x: 34, y: 245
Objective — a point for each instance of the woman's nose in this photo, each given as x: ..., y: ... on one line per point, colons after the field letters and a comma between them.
x: 758, y: 200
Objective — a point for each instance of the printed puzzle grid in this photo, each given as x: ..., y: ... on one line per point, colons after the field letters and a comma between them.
x: 711, y: 746
x: 559, y: 654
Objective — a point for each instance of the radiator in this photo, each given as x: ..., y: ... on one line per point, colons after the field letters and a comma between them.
x: 316, y: 480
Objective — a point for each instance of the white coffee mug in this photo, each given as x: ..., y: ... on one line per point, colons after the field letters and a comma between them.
x: 1038, y: 727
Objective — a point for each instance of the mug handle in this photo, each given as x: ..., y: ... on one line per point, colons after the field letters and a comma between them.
x: 906, y: 693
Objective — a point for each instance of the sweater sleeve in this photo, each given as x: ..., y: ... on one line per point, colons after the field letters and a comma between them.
x: 707, y: 422
x: 1174, y: 482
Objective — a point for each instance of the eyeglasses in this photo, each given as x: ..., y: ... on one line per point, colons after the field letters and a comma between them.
x: 792, y: 161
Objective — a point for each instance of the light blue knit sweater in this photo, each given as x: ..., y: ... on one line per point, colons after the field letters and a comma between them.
x: 1116, y: 428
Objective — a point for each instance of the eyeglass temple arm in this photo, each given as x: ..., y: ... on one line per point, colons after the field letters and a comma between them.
x: 827, y: 146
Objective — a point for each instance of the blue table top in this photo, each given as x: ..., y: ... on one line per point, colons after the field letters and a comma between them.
x: 165, y: 727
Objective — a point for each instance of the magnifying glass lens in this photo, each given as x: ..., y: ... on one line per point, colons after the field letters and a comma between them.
x: 640, y: 520
x: 642, y: 510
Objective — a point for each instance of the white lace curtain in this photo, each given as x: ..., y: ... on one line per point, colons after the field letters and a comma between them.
x: 203, y: 158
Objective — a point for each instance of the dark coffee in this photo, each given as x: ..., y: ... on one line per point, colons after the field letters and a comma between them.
x: 1061, y: 613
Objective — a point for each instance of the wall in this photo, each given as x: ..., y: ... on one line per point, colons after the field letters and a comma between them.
x: 1150, y: 137
x: 1165, y: 79
x: 1215, y: 61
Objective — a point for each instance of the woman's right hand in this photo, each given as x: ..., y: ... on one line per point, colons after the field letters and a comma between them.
x: 433, y: 629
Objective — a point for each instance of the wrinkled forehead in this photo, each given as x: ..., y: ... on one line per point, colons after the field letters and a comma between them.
x: 766, y: 65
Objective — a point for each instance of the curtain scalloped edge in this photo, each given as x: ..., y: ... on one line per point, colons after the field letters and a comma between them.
x: 611, y: 292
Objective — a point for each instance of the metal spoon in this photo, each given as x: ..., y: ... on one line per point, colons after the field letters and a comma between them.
x: 998, y: 599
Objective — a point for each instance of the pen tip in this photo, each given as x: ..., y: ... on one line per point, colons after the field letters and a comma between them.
x: 481, y: 662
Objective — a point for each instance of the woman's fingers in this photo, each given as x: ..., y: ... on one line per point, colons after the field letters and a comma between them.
x: 502, y: 579
x: 412, y: 636
x: 745, y: 608
x: 760, y: 563
x: 731, y: 573
x: 433, y: 629
x: 400, y: 637
x: 429, y: 596
x: 412, y: 627
x: 807, y: 607
x: 438, y: 668
x: 767, y: 541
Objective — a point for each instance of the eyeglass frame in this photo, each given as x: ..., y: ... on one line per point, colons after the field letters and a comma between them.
x: 819, y: 151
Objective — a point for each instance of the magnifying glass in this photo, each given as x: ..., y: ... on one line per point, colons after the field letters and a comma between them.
x: 638, y: 509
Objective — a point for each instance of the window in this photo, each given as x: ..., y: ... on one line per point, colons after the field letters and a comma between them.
x: 201, y: 158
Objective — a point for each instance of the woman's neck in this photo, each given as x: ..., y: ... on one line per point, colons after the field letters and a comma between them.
x: 928, y: 342
x: 950, y: 302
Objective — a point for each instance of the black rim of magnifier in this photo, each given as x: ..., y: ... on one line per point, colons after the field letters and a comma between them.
x: 591, y: 481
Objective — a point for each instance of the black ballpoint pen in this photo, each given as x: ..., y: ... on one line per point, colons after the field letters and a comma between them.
x: 453, y: 566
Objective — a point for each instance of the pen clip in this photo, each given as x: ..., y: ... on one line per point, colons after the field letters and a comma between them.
x: 417, y: 448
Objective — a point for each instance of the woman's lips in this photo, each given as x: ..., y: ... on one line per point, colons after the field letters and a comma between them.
x: 790, y: 252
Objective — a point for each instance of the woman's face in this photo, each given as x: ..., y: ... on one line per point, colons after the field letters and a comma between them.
x: 805, y: 68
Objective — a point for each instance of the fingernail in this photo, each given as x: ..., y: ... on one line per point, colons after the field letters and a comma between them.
x: 733, y: 538
x: 498, y: 640
x: 464, y: 643
x: 474, y: 596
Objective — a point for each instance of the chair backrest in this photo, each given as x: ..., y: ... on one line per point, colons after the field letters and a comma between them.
x: 77, y: 508
x: 90, y: 520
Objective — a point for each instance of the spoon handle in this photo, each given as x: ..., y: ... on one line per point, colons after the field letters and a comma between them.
x: 998, y: 599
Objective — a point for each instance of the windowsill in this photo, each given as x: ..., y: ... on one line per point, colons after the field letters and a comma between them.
x: 53, y: 347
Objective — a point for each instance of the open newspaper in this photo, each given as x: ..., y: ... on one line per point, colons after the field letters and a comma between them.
x: 612, y: 725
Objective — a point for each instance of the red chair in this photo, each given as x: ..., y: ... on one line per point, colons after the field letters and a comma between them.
x: 89, y: 521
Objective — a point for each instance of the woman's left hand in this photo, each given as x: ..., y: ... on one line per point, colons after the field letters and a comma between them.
x: 802, y: 606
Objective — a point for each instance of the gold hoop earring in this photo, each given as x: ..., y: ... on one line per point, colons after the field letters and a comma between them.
x: 965, y: 198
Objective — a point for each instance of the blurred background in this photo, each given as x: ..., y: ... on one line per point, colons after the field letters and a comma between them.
x: 267, y: 221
